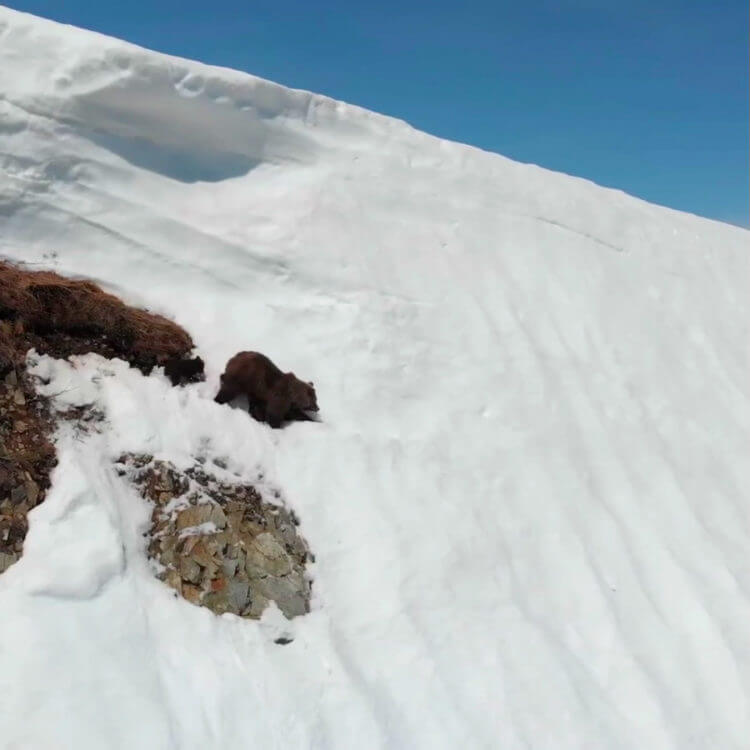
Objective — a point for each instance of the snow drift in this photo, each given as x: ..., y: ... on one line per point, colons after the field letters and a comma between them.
x: 528, y: 496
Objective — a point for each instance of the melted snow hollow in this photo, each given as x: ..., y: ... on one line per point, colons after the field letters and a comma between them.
x: 528, y: 494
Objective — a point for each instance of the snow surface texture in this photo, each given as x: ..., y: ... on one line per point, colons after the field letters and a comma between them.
x: 528, y: 495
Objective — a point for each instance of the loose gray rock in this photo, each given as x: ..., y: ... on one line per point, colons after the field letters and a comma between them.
x: 7, y: 560
x: 222, y: 546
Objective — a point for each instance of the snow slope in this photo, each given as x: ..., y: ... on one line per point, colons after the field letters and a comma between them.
x: 528, y: 498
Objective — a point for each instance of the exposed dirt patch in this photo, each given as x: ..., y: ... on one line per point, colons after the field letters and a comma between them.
x: 218, y: 543
x: 60, y: 317
x: 57, y: 316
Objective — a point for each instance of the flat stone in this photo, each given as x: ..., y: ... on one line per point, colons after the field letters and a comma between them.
x: 190, y: 570
x: 18, y: 398
x: 291, y: 593
x: 195, y: 515
x: 18, y: 494
x: 238, y: 594
x: 265, y: 556
x: 217, y: 517
x: 217, y: 601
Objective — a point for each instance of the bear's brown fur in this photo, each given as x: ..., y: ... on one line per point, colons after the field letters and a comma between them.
x: 273, y: 396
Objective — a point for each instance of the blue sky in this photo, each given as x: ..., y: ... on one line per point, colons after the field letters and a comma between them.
x: 648, y: 97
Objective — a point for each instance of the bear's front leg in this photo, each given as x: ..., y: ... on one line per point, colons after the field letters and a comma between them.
x: 255, y: 407
x: 276, y: 409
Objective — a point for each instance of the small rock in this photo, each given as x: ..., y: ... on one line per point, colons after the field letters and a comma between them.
x: 174, y: 580
x: 188, y: 544
x: 18, y: 494
x: 166, y: 557
x: 291, y: 593
x: 203, y: 557
x: 195, y: 515
x: 217, y: 601
x: 18, y: 398
x: 217, y: 517
x: 234, y: 519
x: 218, y: 584
x: 190, y: 570
x: 7, y: 560
x: 32, y: 492
x: 229, y: 567
x: 192, y: 593
x: 238, y: 594
x: 258, y: 604
x: 6, y: 479
x: 11, y: 378
x: 265, y: 556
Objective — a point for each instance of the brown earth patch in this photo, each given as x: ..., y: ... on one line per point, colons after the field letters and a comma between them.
x: 57, y: 316
x: 60, y: 316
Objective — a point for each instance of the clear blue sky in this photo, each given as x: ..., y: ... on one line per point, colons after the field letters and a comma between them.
x: 647, y: 96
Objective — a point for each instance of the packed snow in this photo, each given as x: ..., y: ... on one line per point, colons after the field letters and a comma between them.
x: 527, y: 496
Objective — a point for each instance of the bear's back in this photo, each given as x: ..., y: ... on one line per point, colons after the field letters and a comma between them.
x: 255, y: 372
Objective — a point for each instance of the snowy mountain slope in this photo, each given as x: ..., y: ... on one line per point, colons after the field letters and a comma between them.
x: 528, y: 498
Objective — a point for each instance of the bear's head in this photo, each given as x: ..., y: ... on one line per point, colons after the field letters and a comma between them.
x: 303, y: 395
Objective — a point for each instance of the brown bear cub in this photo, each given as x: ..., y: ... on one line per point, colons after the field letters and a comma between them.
x: 273, y: 396
x: 181, y: 371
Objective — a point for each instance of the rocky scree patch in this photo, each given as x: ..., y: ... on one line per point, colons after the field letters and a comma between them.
x: 26, y: 458
x: 219, y: 544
